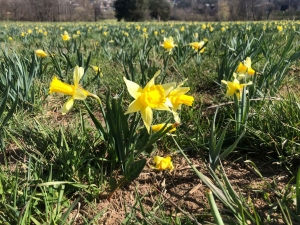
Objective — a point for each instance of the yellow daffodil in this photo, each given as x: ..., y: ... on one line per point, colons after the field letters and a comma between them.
x: 150, y: 97
x: 10, y: 38
x: 245, y: 67
x: 40, y: 53
x: 197, y: 46
x: 162, y: 163
x: 155, y: 33
x: 178, y: 97
x: 279, y: 28
x: 234, y: 87
x: 75, y: 91
x: 168, y: 44
x: 97, y: 70
x: 65, y: 36
x: 158, y: 127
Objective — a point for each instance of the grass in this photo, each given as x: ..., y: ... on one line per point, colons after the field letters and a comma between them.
x: 94, y: 164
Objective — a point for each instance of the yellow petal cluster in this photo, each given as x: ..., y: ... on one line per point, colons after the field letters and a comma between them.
x: 65, y: 36
x: 41, y: 53
x: 168, y: 44
x: 152, y: 96
x: 177, y: 97
x: 197, y: 46
x: 234, y: 87
x: 162, y: 163
x: 75, y: 91
x: 158, y: 127
x: 245, y: 67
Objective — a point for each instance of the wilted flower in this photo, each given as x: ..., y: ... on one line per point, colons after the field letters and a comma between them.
x: 75, y: 91
x: 150, y: 97
x: 65, y: 36
x: 40, y: 53
x: 168, y: 44
x: 162, y: 163
x: 245, y: 67
x: 234, y: 87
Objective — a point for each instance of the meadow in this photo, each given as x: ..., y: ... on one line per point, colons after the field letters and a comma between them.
x: 150, y: 123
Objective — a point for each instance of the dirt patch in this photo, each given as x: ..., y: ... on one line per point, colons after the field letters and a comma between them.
x: 181, y: 192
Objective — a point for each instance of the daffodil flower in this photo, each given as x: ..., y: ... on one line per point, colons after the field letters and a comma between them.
x: 150, y: 97
x: 234, y: 87
x: 178, y: 97
x: 245, y: 67
x: 162, y: 163
x: 168, y: 44
x: 197, y: 46
x: 75, y: 91
x: 158, y: 127
x: 40, y: 53
x: 97, y: 70
x: 65, y: 36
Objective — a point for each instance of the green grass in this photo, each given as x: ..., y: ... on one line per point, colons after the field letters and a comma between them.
x: 51, y: 165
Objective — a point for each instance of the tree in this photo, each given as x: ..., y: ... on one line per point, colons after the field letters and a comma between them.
x: 131, y: 10
x: 160, y: 9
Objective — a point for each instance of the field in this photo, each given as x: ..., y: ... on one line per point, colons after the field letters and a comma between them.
x: 150, y: 123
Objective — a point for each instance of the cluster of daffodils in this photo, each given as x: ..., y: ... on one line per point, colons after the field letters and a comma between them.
x: 153, y: 96
x: 243, y: 71
x: 168, y: 44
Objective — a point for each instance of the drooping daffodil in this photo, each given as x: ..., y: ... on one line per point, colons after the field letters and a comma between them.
x: 151, y: 97
x: 162, y: 163
x: 75, y: 91
x: 178, y: 97
x: 158, y: 127
x: 234, y: 87
x: 244, y: 68
x: 41, y: 53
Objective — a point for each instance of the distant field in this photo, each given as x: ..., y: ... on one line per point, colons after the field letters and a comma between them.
x: 78, y: 102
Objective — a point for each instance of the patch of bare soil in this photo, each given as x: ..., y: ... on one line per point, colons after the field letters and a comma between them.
x: 182, y: 193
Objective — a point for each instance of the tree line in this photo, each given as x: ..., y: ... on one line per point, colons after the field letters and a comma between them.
x: 139, y: 10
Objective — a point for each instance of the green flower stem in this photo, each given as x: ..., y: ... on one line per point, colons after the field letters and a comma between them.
x: 214, y: 209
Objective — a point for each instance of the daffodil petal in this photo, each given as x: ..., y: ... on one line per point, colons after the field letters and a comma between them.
x: 67, y: 106
x: 168, y: 87
x: 80, y: 94
x: 179, y: 91
x: 133, y: 88
x: 151, y: 82
x: 77, y: 75
x: 147, y: 116
x: 135, y: 106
